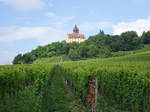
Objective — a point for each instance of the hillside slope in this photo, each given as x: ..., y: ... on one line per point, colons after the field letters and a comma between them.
x: 51, y: 60
x: 122, y: 81
x: 135, y: 55
x: 142, y: 56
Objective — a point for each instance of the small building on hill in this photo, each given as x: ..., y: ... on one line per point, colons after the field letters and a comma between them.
x: 75, y: 36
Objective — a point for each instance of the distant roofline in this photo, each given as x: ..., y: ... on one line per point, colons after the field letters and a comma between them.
x: 75, y: 35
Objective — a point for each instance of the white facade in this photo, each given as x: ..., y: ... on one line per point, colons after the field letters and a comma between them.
x: 75, y: 36
x: 78, y: 40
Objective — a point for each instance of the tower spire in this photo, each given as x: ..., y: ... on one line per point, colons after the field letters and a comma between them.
x: 76, y: 29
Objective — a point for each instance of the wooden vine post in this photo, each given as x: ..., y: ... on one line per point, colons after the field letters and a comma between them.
x: 92, y: 93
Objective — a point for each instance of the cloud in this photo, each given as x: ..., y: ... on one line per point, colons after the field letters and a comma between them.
x: 24, y: 4
x: 91, y: 28
x: 95, y: 25
x: 43, y: 34
x: 139, y: 26
x: 58, y: 20
x: 10, y: 35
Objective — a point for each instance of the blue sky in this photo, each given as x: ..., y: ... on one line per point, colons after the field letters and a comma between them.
x: 26, y: 24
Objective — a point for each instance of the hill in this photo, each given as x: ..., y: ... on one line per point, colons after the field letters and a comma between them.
x: 139, y: 56
x: 54, y: 83
x: 123, y: 53
x: 97, y: 46
x: 134, y: 56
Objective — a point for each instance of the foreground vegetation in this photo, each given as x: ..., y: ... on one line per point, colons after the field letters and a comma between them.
x: 22, y: 87
x: 123, y: 85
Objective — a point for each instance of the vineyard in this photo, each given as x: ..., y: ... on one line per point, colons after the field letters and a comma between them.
x: 121, y: 84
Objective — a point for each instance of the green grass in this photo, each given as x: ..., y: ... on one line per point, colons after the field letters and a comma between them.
x: 124, y: 84
x: 139, y: 56
x: 48, y: 60
x: 51, y: 60
x: 142, y: 54
x: 146, y: 48
x: 123, y: 53
x: 60, y: 98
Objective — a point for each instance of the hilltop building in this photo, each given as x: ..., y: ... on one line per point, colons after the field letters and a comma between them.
x: 75, y: 36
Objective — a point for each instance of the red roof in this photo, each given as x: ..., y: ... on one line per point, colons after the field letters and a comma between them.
x: 76, y: 35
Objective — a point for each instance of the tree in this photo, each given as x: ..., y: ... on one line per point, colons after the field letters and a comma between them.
x: 99, y: 40
x: 101, y: 32
x: 92, y: 51
x: 130, y: 41
x: 99, y: 45
x: 18, y: 59
x: 129, y: 34
x: 83, y: 50
x: 146, y: 37
x: 104, y: 52
x: 28, y: 58
x: 116, y: 43
x: 74, y: 54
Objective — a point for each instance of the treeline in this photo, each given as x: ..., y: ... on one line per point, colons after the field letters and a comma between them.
x: 98, y: 46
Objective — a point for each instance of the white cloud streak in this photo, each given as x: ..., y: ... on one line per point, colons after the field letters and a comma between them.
x: 139, y: 26
x: 91, y: 28
x: 59, y: 20
x: 95, y: 25
x: 24, y: 4
x: 43, y: 34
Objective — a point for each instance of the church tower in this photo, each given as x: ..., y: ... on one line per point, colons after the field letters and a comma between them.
x: 75, y: 36
x: 76, y: 29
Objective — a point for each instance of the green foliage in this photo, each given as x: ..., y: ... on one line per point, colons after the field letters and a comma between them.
x: 143, y: 56
x: 101, y: 32
x: 92, y: 51
x: 123, y: 53
x: 116, y: 43
x: 146, y: 37
x: 51, y: 60
x: 61, y: 97
x: 100, y: 45
x: 22, y: 59
x: 18, y: 59
x: 131, y: 41
x: 74, y: 54
x: 21, y: 87
x: 124, y: 84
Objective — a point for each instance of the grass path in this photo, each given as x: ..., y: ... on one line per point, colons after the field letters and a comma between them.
x: 62, y: 99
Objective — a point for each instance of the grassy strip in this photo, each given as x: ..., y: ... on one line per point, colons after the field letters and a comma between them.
x: 62, y: 99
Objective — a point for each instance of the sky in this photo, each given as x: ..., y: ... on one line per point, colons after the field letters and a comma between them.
x: 27, y: 24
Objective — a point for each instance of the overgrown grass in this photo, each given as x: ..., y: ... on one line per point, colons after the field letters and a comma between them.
x: 51, y: 60
x: 124, y: 84
x: 124, y: 53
